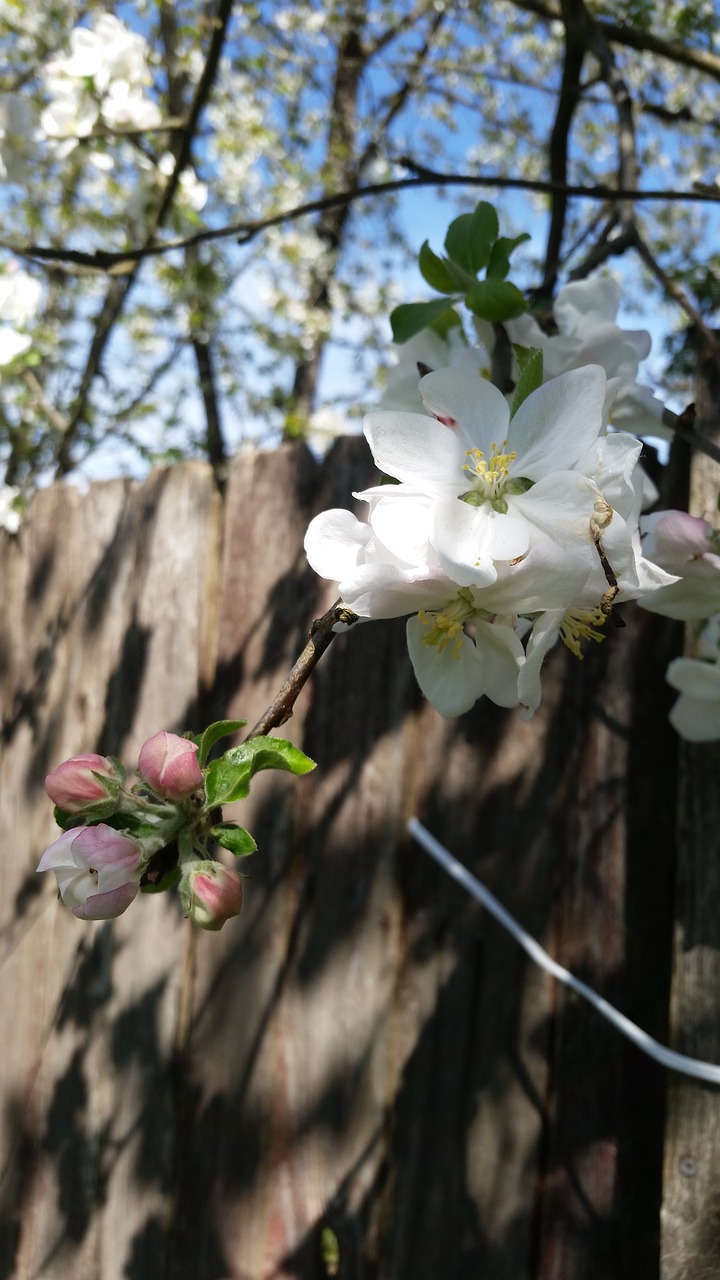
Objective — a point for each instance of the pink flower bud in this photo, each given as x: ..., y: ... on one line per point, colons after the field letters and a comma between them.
x: 75, y: 784
x: 211, y: 894
x: 169, y: 765
x: 97, y: 870
x: 674, y: 539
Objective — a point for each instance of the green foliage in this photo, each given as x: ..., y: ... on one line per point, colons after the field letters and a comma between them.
x: 413, y: 317
x: 229, y: 778
x: 233, y: 837
x: 530, y: 360
x: 499, y: 263
x: 443, y: 274
x: 470, y: 238
x: 214, y: 732
x: 472, y: 244
x: 495, y: 300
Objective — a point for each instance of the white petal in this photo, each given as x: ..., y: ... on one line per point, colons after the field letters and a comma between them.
x: 696, y: 678
x: 401, y: 520
x: 381, y: 591
x: 558, y: 423
x: 696, y: 720
x: 542, y: 638
x: 414, y: 448
x: 469, y: 539
x: 452, y: 680
x: 335, y: 543
x: 474, y: 404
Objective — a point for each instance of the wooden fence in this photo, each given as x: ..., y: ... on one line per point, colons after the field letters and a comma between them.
x: 362, y: 1076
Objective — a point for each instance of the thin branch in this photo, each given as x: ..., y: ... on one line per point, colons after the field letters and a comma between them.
x: 570, y: 94
x: 643, y: 41
x: 215, y: 447
x: 322, y: 634
x: 674, y: 290
x: 126, y: 261
x: 691, y: 429
x: 177, y: 87
x: 53, y: 415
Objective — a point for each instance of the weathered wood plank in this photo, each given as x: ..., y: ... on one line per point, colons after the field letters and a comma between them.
x: 691, y: 1201
x: 107, y: 642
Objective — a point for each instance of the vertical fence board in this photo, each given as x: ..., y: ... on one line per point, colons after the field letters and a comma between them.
x: 691, y: 1201
x: 105, y: 647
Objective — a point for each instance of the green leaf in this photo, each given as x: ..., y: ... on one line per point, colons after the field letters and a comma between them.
x: 234, y: 837
x: 530, y: 360
x: 524, y: 355
x: 229, y: 777
x: 470, y: 238
x: 271, y: 753
x: 66, y: 820
x: 438, y: 273
x: 225, y: 781
x: 213, y: 733
x: 499, y: 263
x: 444, y: 323
x: 495, y: 300
x: 413, y: 317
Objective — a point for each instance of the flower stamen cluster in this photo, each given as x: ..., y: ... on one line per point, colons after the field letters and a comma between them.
x: 582, y: 624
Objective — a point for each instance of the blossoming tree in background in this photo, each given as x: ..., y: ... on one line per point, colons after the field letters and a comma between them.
x: 203, y: 222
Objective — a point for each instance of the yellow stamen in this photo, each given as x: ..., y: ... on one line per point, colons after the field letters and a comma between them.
x: 494, y: 472
x: 446, y: 626
x: 581, y: 624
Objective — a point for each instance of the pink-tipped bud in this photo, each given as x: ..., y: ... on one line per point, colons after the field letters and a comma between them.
x: 168, y: 763
x: 81, y: 782
x: 211, y: 894
x: 97, y: 870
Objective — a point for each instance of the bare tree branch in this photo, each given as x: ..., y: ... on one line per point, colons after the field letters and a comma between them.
x: 123, y: 262
x: 215, y: 446
x: 643, y: 41
x: 570, y: 94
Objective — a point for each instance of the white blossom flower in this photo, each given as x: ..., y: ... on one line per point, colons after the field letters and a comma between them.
x: 686, y: 546
x: 479, y: 487
x: 72, y: 113
x: 585, y: 314
x: 20, y: 298
x: 125, y: 106
x: 425, y: 352
x: 696, y: 714
x: 12, y: 344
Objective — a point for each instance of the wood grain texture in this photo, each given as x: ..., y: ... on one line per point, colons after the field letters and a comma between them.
x: 361, y: 1050
x: 691, y: 1198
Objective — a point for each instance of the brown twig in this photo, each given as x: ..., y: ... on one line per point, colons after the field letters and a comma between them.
x: 322, y: 634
